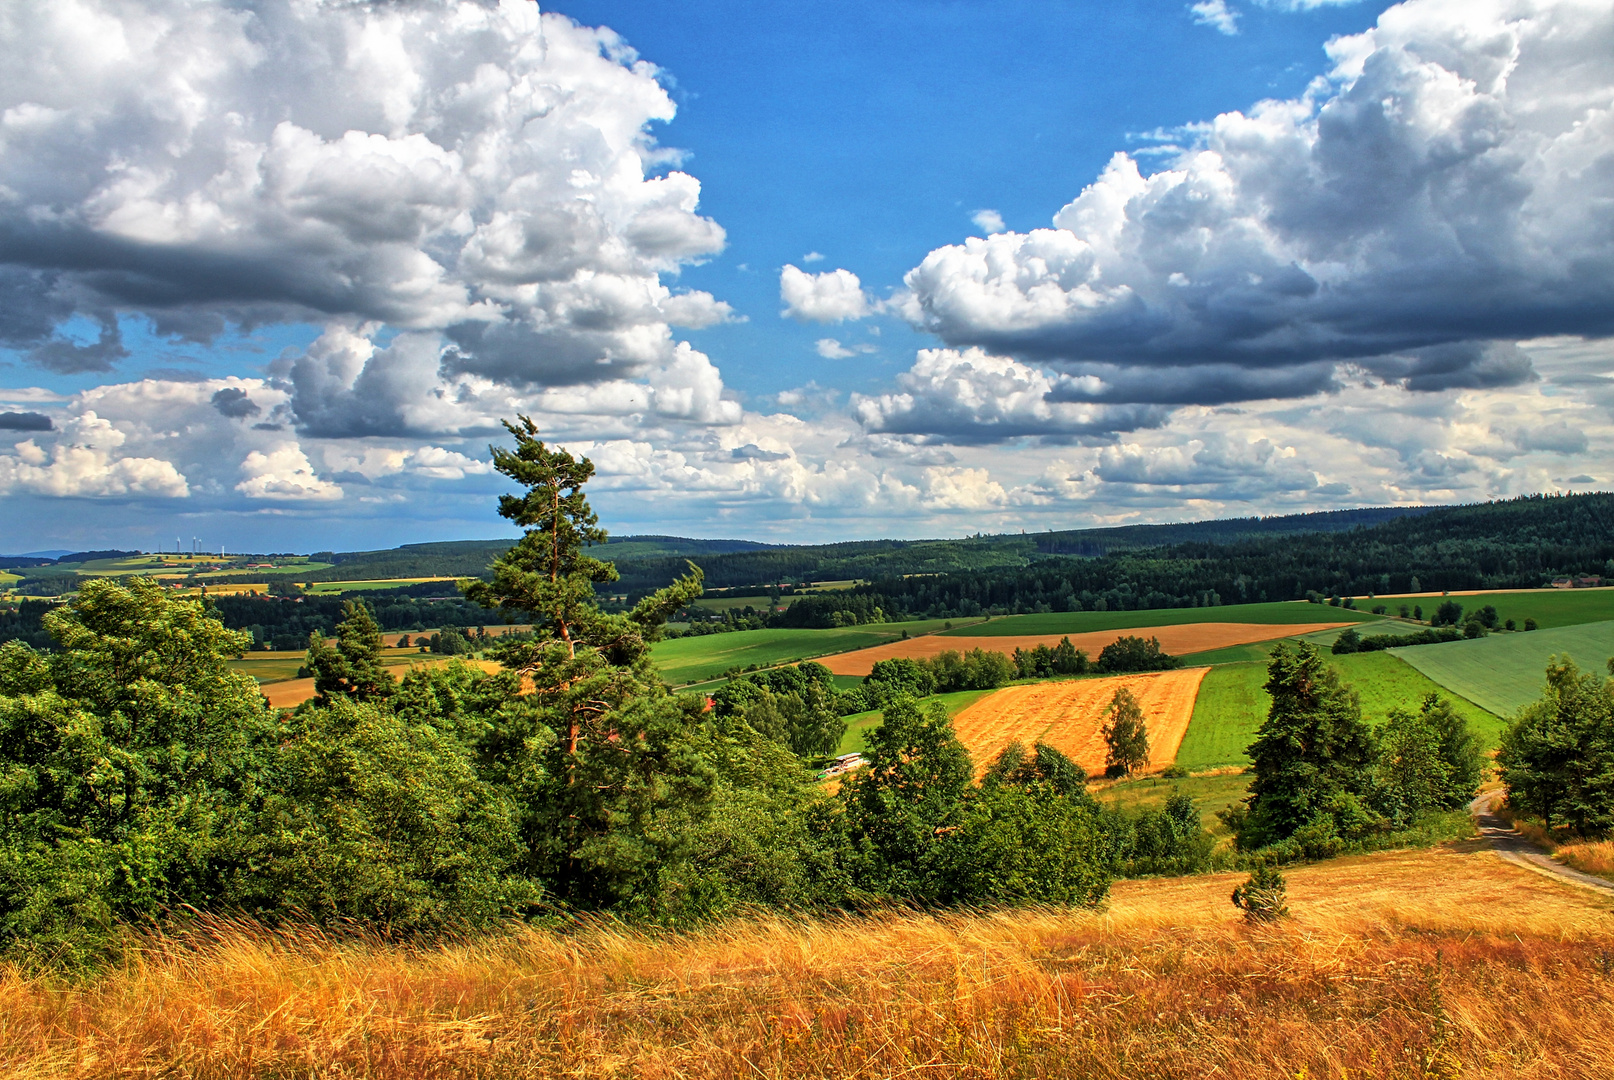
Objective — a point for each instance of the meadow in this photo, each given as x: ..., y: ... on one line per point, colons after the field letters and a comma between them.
x: 1548, y: 607
x: 1503, y: 672
x: 858, y: 725
x: 1083, y: 622
x: 1434, y: 963
x: 326, y: 588
x: 707, y: 656
x: 1232, y: 704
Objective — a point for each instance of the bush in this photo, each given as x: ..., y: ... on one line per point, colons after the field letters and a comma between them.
x: 1127, y: 654
x: 1263, y: 897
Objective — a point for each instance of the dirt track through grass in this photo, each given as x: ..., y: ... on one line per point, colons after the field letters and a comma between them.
x: 1069, y: 716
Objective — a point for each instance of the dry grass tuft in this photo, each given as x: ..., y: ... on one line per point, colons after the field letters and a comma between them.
x: 1440, y: 963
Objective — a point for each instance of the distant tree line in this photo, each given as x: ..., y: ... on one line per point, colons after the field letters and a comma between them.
x: 1520, y: 543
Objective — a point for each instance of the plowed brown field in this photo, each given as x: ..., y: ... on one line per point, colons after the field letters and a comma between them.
x: 1069, y: 716
x: 1176, y: 640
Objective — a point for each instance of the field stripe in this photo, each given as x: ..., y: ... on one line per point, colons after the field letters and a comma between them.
x: 1183, y: 638
x: 1069, y: 716
x: 1504, y: 672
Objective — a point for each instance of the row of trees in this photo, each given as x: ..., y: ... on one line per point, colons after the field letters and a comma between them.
x: 141, y: 775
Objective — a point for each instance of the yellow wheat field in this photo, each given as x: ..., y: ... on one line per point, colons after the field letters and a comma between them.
x: 1069, y: 716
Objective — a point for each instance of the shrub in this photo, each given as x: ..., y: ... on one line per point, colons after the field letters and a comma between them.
x: 1263, y: 897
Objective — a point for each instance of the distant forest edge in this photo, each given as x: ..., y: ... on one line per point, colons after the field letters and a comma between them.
x: 647, y: 563
x: 1517, y: 543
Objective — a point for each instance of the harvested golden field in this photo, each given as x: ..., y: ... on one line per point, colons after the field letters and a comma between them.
x: 1176, y: 640
x: 289, y: 693
x: 1069, y: 716
x: 1438, y: 963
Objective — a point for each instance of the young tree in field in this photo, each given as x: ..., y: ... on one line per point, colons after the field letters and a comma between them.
x: 1312, y: 749
x: 353, y: 668
x: 1126, y: 735
x: 1557, y: 756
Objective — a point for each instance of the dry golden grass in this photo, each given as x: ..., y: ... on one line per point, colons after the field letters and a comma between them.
x: 1069, y: 716
x: 1441, y: 963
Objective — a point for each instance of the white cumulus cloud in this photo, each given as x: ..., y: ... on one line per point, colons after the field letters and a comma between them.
x: 1442, y: 193
x: 1217, y: 15
x: 474, y: 171
x: 832, y: 296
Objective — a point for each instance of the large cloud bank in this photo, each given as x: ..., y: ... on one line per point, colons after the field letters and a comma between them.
x: 1448, y: 185
x: 477, y: 172
x: 1397, y: 288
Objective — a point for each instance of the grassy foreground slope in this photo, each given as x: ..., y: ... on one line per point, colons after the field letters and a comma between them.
x: 1232, y: 704
x: 1081, y: 622
x: 1505, y: 671
x: 1445, y: 962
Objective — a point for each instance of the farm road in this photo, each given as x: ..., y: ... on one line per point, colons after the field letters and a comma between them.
x: 1507, y: 842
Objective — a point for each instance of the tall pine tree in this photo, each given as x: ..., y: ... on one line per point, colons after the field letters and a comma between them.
x: 1312, y: 749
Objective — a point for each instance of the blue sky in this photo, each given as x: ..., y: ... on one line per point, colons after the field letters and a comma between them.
x: 271, y: 273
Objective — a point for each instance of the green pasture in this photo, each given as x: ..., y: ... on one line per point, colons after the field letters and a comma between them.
x: 1082, y: 622
x: 702, y: 658
x: 326, y: 588
x: 1230, y: 706
x: 184, y: 564
x: 9, y: 579
x: 273, y: 667
x: 1210, y: 794
x: 1504, y: 671
x: 1548, y: 607
x: 1260, y: 651
x: 1233, y: 703
x: 270, y: 667
x: 858, y: 725
x: 739, y: 603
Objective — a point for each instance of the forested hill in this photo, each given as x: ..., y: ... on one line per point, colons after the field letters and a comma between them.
x: 1520, y: 543
x: 648, y: 562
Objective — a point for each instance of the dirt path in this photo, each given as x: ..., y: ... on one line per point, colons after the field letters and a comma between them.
x: 1511, y: 845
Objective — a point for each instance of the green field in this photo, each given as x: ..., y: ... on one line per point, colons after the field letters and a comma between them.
x: 858, y: 725
x: 270, y: 667
x: 185, y: 564
x: 326, y: 588
x: 1232, y: 704
x: 698, y: 659
x: 1210, y: 794
x: 1324, y: 639
x: 1548, y: 607
x: 1082, y: 622
x: 1503, y: 672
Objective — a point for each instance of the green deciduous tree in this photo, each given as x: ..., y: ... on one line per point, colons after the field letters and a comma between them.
x: 1031, y: 834
x: 1557, y: 756
x: 1126, y: 735
x: 130, y: 757
x: 914, y: 785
